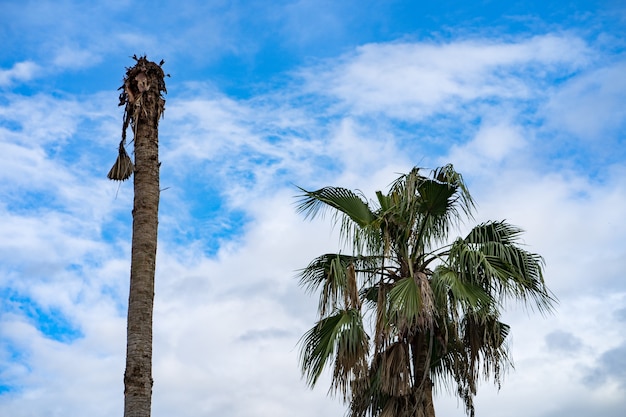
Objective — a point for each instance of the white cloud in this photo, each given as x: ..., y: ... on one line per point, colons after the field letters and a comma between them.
x: 415, y: 80
x: 493, y: 145
x: 73, y: 58
x: 19, y: 72
x: 59, y: 378
x: 591, y: 106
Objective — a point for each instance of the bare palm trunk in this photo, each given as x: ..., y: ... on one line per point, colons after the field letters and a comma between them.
x: 144, y: 105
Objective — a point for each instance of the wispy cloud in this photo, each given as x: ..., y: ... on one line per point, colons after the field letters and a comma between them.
x: 591, y: 106
x: 416, y: 80
x: 19, y: 72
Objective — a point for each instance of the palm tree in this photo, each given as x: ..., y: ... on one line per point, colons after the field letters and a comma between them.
x: 141, y: 94
x: 409, y: 309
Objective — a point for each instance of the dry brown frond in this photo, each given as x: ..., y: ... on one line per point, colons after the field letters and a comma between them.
x: 123, y: 166
x: 395, y: 370
x: 353, y: 298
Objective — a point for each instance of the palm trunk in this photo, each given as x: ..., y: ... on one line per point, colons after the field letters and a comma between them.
x: 144, y: 105
x: 423, y: 386
x: 429, y: 406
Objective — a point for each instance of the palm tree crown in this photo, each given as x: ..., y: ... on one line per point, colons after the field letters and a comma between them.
x: 409, y: 308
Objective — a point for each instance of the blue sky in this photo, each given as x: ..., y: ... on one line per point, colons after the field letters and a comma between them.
x: 526, y: 98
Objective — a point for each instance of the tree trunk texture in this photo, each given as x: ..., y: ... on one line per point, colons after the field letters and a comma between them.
x: 144, y: 106
x: 423, y: 388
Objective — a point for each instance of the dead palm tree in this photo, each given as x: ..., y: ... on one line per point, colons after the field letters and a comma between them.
x: 409, y: 309
x: 144, y: 105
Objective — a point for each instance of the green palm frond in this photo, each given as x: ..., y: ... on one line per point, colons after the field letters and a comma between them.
x: 424, y: 209
x: 342, y: 335
x: 446, y: 174
x: 490, y: 252
x: 438, y: 209
x: 359, y: 226
x: 328, y: 274
x: 494, y: 231
x: 313, y: 203
x: 448, y: 284
x: 405, y: 299
x: 411, y: 303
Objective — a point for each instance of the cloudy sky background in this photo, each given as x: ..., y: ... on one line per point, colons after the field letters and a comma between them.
x: 526, y: 98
